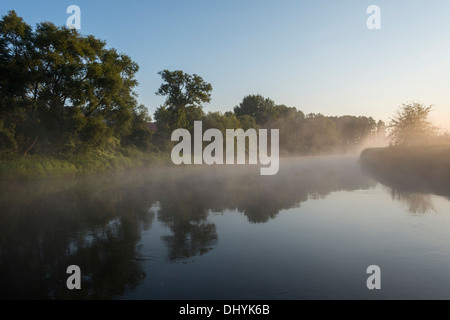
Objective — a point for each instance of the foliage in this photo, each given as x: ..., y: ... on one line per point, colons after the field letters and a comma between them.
x: 61, y: 92
x: 411, y: 125
x: 255, y: 106
x: 68, y: 106
x: 185, y: 95
x: 422, y: 168
x: 93, y: 163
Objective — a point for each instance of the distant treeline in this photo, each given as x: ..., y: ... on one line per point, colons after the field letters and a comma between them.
x: 63, y: 95
x: 300, y: 134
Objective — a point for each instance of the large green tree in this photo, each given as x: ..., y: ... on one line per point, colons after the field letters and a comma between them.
x: 185, y: 95
x: 62, y: 91
x: 255, y: 106
x: 15, y: 75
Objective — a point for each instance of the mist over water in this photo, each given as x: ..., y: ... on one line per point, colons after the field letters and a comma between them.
x: 222, y: 232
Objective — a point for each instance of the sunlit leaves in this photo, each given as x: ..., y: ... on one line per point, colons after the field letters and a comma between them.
x: 69, y: 89
x: 411, y: 125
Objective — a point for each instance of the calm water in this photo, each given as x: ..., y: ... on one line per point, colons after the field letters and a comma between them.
x: 225, y: 233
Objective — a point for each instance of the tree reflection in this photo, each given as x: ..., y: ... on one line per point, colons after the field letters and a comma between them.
x: 190, y: 239
x: 415, y: 193
x: 416, y: 202
x: 85, y: 226
x: 97, y: 224
x: 184, y: 212
x: 190, y: 195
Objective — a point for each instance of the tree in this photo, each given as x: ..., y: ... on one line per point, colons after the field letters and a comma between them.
x: 247, y: 122
x: 15, y: 46
x: 185, y: 95
x: 255, y: 106
x: 280, y: 111
x: 381, y: 131
x: 61, y: 91
x: 140, y: 135
x: 222, y: 122
x: 289, y: 121
x: 319, y: 134
x: 354, y: 130
x: 411, y: 125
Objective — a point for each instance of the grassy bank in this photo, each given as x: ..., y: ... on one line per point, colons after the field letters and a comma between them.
x: 94, y: 163
x: 419, y: 168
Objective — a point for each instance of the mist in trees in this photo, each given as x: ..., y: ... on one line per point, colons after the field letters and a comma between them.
x: 300, y: 134
x: 63, y: 94
x: 416, y: 161
x: 411, y: 125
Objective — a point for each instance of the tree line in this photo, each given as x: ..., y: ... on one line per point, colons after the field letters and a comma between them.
x: 63, y: 93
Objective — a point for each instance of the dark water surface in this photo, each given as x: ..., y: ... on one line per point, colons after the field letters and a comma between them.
x: 224, y: 232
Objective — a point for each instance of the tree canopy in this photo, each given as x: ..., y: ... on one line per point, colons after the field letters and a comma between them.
x: 185, y: 95
x: 62, y: 92
x: 255, y: 106
x: 411, y: 125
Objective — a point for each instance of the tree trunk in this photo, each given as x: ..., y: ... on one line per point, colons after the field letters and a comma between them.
x: 31, y: 146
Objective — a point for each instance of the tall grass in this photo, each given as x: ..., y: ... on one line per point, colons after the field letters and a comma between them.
x: 93, y: 163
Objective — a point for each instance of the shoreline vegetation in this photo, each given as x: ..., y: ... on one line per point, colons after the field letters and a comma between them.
x: 69, y: 107
x: 96, y: 164
x: 91, y: 164
x: 418, y: 157
x: 419, y: 168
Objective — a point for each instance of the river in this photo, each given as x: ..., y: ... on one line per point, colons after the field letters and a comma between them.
x: 225, y: 232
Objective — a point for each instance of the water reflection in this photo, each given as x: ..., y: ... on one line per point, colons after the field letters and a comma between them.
x: 416, y: 202
x: 94, y: 228
x: 97, y: 223
x: 260, y: 198
x: 413, y: 192
x: 184, y: 214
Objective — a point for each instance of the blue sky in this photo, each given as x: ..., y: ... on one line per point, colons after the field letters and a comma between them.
x: 318, y: 56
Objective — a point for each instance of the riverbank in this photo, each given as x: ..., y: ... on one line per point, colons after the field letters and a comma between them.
x: 94, y: 163
x: 415, y: 168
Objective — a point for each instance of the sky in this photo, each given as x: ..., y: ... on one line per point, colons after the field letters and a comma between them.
x: 318, y: 56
